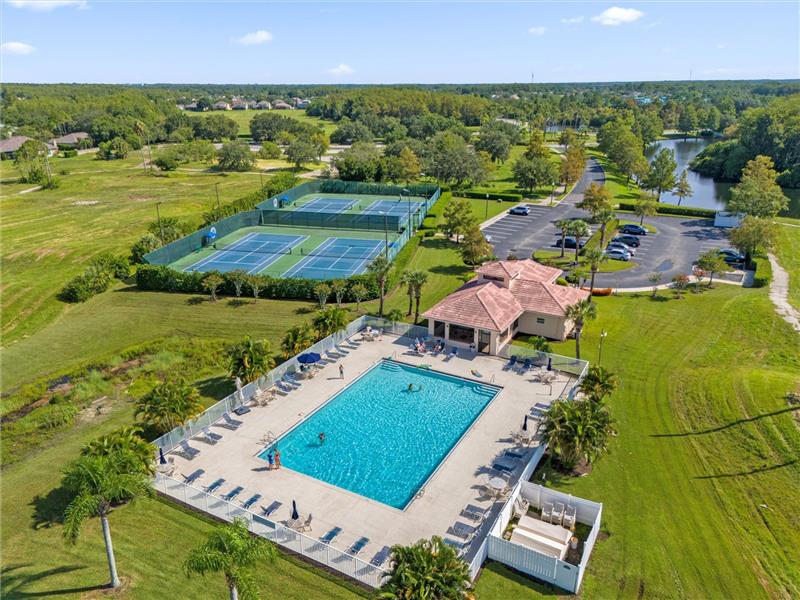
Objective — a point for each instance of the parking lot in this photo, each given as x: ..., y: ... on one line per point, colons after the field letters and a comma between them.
x: 671, y: 251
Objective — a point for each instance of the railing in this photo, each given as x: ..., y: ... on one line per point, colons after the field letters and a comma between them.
x: 588, y: 546
x: 573, y: 366
x: 295, y: 541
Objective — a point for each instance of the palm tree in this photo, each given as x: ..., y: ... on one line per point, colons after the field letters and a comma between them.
x: 646, y: 207
x: 580, y: 313
x: 395, y: 315
x: 406, y: 279
x: 99, y: 483
x: 380, y: 269
x: 577, y: 429
x: 427, y: 569
x: 418, y: 279
x: 250, y: 359
x: 579, y: 230
x: 128, y: 440
x: 168, y: 405
x: 297, y: 339
x: 358, y: 291
x: 595, y: 257
x: 598, y: 383
x: 603, y: 218
x: 563, y: 225
x: 231, y: 550
x: 330, y: 320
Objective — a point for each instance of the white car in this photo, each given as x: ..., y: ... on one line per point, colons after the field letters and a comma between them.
x: 617, y: 254
x: 621, y: 246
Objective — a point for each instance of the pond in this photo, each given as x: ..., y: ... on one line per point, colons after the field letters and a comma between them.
x: 706, y: 193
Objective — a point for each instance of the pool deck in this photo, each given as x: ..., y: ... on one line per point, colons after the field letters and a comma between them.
x: 436, y: 509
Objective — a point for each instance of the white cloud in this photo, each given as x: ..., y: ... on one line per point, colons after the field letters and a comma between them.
x: 617, y: 16
x: 572, y: 20
x: 46, y: 5
x: 16, y: 48
x: 255, y: 38
x: 537, y: 30
x: 341, y: 69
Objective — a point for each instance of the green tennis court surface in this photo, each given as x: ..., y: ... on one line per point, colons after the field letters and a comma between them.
x: 355, y: 204
x: 289, y: 252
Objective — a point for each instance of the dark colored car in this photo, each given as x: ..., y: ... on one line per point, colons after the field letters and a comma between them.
x: 520, y: 210
x: 632, y: 229
x: 569, y: 242
x: 732, y: 257
x: 630, y: 240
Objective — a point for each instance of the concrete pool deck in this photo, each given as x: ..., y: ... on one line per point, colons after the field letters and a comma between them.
x: 437, y: 507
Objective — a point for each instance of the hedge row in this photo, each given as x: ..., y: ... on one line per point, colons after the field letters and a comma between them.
x: 165, y: 279
x: 671, y: 209
x: 594, y: 241
x: 507, y: 196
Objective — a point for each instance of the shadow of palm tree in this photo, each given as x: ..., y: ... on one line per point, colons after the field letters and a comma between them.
x: 48, y: 510
x: 727, y: 425
x: 750, y: 472
x: 215, y: 387
x: 14, y: 581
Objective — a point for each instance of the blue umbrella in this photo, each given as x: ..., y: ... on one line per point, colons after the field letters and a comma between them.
x: 525, y: 424
x: 161, y: 458
x: 309, y: 358
x: 295, y: 514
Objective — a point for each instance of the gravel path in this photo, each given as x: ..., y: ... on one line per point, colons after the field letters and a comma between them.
x: 779, y: 294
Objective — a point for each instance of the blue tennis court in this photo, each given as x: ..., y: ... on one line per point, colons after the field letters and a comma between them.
x: 391, y: 207
x: 337, y: 258
x: 327, y: 205
x: 253, y: 253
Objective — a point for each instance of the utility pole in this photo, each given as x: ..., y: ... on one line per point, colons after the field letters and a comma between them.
x: 603, y: 334
x: 160, y: 227
x: 219, y: 206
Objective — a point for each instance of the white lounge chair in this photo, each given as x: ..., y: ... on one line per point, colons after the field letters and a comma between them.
x: 569, y: 517
x: 558, y: 513
x: 547, y: 511
x: 476, y: 513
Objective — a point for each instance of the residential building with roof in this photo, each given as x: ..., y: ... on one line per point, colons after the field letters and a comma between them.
x: 71, y: 140
x: 506, y: 298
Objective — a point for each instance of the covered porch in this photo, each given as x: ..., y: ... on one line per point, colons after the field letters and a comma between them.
x: 483, y: 340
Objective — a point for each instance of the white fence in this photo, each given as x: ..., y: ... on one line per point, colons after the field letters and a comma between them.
x: 295, y: 541
x: 573, y: 366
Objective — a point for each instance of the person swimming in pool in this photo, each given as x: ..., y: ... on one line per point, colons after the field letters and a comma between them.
x: 411, y: 388
x: 321, y: 437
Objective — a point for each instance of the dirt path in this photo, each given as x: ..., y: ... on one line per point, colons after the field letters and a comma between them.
x: 779, y: 294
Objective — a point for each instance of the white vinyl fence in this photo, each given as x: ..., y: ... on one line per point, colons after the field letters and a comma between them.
x: 290, y: 539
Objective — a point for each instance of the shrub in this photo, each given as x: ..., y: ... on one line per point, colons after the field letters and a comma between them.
x: 671, y: 209
x: 117, y: 265
x: 269, y: 150
x: 69, y: 153
x: 562, y: 281
x: 82, y: 287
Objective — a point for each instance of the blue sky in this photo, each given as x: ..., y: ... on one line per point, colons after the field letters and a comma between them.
x: 374, y: 42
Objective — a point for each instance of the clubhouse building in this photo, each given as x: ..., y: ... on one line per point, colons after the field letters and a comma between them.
x: 507, y: 297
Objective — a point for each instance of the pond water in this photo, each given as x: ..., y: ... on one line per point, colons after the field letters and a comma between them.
x: 706, y: 193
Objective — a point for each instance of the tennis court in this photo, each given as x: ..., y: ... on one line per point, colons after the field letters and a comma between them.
x: 397, y: 208
x: 327, y: 205
x: 337, y: 258
x: 252, y: 253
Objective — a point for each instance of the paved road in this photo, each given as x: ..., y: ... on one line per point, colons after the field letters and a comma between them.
x: 671, y: 251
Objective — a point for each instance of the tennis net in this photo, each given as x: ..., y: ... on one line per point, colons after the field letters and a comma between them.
x: 337, y: 251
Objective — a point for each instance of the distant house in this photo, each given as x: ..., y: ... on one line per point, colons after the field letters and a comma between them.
x: 263, y: 105
x: 71, y: 140
x: 221, y: 106
x: 301, y: 102
x: 240, y: 105
x: 191, y: 106
x: 9, y: 147
x: 281, y: 105
x: 507, y: 297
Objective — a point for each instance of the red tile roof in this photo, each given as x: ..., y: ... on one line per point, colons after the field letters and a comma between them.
x: 487, y: 304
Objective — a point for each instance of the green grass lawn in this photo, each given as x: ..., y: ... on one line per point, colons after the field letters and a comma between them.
x: 702, y: 484
x: 50, y: 235
x: 502, y: 178
x: 621, y: 190
x: 787, y: 250
x: 243, y: 118
x: 649, y: 228
x: 609, y: 266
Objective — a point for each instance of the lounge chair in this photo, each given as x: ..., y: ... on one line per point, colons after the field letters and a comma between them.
x: 521, y: 506
x: 233, y: 493
x: 547, y: 511
x: 231, y: 423
x: 381, y: 556
x: 454, y: 352
x: 517, y: 453
x: 569, y: 517
x: 284, y: 388
x: 251, y: 500
x: 215, y: 485
x: 511, y: 363
x: 209, y: 437
x: 460, y: 547
x: 192, y: 477
x: 187, y: 451
x: 506, y: 463
x: 558, y: 513
x: 341, y: 350
x: 476, y: 513
x: 290, y: 381
x: 526, y: 365
x: 463, y: 530
x: 268, y: 510
x: 358, y: 545
x: 331, y: 535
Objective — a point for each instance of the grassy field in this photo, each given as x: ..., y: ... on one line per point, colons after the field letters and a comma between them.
x: 621, y: 190
x: 502, y: 178
x: 609, y: 266
x: 787, y: 251
x: 243, y: 118
x: 702, y: 485
x: 50, y: 235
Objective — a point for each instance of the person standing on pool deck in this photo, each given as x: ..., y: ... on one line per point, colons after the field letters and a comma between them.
x: 277, y: 458
x: 341, y: 372
x: 270, y: 460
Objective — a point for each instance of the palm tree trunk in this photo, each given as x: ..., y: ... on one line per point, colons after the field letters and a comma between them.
x: 578, y: 341
x: 234, y: 592
x: 380, y: 307
x: 410, y: 303
x: 641, y: 221
x: 591, y: 286
x: 112, y: 563
x: 416, y: 311
x: 577, y: 248
x: 563, y: 238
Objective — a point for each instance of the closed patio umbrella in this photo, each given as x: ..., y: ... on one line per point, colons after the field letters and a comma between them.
x: 549, y: 363
x: 161, y: 458
x: 295, y: 514
x: 525, y: 424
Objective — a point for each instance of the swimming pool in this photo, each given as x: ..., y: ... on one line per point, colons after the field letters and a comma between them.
x: 383, y: 441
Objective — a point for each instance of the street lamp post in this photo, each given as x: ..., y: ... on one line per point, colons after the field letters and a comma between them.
x: 385, y: 237
x: 219, y: 207
x: 160, y: 227
x: 486, y: 216
x: 408, y: 195
x: 603, y: 334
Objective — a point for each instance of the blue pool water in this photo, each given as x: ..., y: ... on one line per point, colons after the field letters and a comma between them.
x: 382, y: 441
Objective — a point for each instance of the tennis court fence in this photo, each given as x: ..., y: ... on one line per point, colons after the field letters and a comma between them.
x: 338, y: 186
x: 299, y: 218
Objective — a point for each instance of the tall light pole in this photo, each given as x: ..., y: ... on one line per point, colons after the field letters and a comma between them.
x: 160, y: 227
x: 408, y: 195
x: 385, y: 237
x: 219, y: 207
x: 486, y: 215
x: 603, y: 334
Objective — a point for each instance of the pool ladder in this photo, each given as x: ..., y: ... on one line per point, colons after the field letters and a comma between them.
x: 268, y: 438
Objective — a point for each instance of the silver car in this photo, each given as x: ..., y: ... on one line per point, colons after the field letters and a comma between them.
x: 621, y: 246
x: 617, y: 254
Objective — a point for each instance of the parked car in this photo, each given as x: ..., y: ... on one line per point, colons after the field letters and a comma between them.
x: 630, y: 240
x: 731, y: 256
x: 569, y: 242
x: 632, y: 229
x: 617, y: 254
x: 520, y: 210
x: 621, y: 246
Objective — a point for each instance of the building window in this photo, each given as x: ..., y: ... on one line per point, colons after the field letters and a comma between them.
x: 515, y: 325
x: 438, y: 329
x: 465, y: 335
x: 540, y: 320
